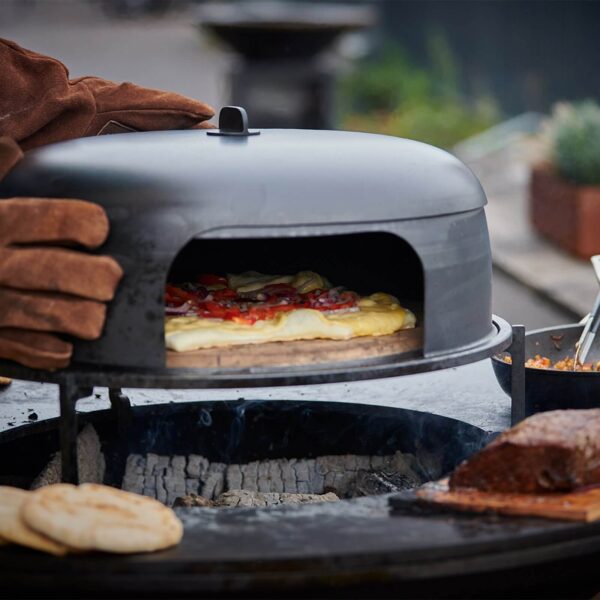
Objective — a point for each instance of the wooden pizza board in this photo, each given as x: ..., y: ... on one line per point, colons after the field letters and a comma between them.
x: 303, y: 352
x: 581, y: 505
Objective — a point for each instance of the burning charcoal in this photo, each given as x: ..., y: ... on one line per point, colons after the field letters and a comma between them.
x: 90, y: 461
x: 430, y: 463
x: 240, y: 498
x: 377, y: 463
x: 317, y: 480
x: 133, y: 480
x: 243, y: 498
x: 368, y: 484
x: 307, y: 498
x: 178, y: 464
x: 162, y: 466
x: 192, y: 500
x: 149, y: 486
x: 161, y: 491
x: 151, y: 460
x: 191, y: 486
x: 346, y: 475
x: 275, y: 476
x: 250, y: 476
x: 351, y: 462
x: 288, y: 476
x: 233, y: 477
x: 133, y: 483
x: 214, y: 480
x: 264, y: 481
x: 197, y: 466
x: 302, y: 476
x: 135, y: 464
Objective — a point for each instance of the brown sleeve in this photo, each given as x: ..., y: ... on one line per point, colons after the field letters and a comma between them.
x: 40, y: 105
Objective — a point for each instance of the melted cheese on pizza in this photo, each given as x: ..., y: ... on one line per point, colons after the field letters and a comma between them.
x: 378, y: 314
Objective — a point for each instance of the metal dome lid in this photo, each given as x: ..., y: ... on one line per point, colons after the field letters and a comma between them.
x: 272, y: 177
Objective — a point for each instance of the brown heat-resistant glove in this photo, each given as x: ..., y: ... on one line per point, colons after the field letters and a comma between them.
x: 46, y: 287
x: 40, y: 105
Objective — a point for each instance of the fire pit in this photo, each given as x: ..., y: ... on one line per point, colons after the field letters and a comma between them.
x: 364, y: 439
x: 370, y: 211
x: 355, y: 546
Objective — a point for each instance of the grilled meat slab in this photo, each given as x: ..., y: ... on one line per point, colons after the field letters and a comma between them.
x: 551, y: 451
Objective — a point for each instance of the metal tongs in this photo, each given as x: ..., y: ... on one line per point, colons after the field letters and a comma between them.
x: 592, y: 323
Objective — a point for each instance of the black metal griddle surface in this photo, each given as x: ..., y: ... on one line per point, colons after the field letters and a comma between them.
x: 319, y: 547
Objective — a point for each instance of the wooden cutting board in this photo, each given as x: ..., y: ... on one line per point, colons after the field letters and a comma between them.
x: 581, y: 505
x: 302, y: 352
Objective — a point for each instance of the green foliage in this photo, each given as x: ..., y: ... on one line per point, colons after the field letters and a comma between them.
x: 391, y: 95
x: 574, y: 132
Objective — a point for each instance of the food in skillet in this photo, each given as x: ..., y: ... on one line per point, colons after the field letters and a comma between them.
x: 553, y: 451
x: 253, y: 308
x: 565, y: 364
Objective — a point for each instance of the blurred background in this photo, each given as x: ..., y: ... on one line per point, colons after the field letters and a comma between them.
x: 479, y: 78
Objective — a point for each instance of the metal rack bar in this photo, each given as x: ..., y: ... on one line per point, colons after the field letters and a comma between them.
x: 121, y: 407
x: 69, y: 393
x: 518, y: 409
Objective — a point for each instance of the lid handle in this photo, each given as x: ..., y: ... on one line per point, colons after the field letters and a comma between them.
x: 233, y: 121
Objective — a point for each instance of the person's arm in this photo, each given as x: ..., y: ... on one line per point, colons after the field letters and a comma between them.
x: 51, y: 291
x: 39, y: 104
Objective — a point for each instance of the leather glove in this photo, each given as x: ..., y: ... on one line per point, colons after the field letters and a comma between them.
x: 39, y: 104
x: 46, y: 287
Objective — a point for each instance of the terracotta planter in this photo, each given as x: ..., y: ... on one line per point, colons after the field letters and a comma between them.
x: 567, y: 214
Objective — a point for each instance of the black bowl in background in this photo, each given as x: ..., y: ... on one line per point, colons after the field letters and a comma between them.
x: 547, y: 389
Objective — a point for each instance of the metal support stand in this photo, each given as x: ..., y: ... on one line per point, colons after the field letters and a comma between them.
x: 517, y: 370
x: 69, y: 393
x: 121, y: 408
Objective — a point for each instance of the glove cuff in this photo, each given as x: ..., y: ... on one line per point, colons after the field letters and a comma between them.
x: 10, y: 155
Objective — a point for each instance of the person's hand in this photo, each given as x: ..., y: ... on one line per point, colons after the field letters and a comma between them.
x: 46, y: 286
x: 40, y: 105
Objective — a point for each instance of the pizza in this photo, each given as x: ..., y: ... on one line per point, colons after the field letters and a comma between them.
x: 252, y: 308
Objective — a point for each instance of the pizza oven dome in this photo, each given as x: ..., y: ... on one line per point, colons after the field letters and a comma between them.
x: 413, y: 210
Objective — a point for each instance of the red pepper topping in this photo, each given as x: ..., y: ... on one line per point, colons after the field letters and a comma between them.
x: 210, y: 279
x: 263, y: 304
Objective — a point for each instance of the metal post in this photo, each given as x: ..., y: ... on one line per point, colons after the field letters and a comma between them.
x: 517, y: 375
x: 121, y: 407
x: 69, y: 393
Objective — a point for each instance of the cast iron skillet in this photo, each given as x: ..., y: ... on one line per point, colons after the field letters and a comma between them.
x: 550, y: 389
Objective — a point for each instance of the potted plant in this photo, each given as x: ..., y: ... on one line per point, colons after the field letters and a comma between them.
x: 565, y: 185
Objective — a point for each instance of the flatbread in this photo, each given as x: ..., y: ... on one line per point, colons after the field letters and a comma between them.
x: 98, y: 517
x: 13, y: 528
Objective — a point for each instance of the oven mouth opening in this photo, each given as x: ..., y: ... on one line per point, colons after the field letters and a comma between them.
x: 364, y: 263
x: 269, y: 448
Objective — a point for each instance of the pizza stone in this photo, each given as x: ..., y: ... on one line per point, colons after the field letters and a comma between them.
x: 98, y: 517
x: 14, y: 529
